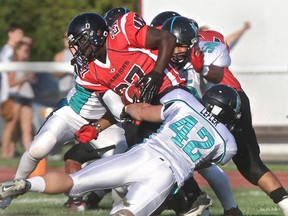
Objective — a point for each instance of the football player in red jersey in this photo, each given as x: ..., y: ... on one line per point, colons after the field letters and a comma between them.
x: 116, y: 59
x: 248, y: 159
x: 79, y: 154
x: 131, y: 52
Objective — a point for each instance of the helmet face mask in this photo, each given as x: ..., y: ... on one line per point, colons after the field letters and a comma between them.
x: 224, y: 103
x: 181, y: 55
x: 82, y: 46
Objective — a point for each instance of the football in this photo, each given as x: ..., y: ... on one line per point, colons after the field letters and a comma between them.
x: 131, y: 92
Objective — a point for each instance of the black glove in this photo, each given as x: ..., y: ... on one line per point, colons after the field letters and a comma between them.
x: 149, y: 85
x: 125, y: 118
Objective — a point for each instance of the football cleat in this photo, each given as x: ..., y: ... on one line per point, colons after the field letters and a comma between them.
x: 201, y: 203
x: 13, y: 188
x: 233, y: 212
x: 75, y: 204
x: 92, y: 201
x: 4, y: 203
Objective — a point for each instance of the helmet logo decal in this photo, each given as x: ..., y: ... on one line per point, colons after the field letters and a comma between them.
x: 87, y: 25
x: 216, y: 110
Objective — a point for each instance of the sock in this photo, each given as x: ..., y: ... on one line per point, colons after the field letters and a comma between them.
x: 278, y: 195
x: 219, y: 182
x: 26, y: 165
x: 283, y: 204
x: 37, y: 184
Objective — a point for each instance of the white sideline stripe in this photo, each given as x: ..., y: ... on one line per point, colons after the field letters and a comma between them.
x: 41, y: 200
x: 273, y: 148
x: 37, y: 66
x: 252, y: 69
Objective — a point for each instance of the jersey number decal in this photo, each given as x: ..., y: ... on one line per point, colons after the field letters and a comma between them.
x: 135, y: 71
x: 209, y: 47
x: 182, y: 128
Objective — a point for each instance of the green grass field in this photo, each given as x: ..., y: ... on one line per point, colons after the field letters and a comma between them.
x: 251, y: 201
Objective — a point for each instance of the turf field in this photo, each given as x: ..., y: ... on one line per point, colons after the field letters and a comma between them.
x: 251, y: 200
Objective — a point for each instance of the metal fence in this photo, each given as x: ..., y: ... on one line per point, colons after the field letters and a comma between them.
x: 267, y: 89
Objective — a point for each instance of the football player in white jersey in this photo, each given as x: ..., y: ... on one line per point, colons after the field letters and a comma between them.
x: 190, y: 136
x: 202, y: 65
x: 59, y: 128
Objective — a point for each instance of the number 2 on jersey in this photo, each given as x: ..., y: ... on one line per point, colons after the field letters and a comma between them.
x: 182, y: 128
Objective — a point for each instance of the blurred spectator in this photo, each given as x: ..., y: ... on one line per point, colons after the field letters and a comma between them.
x: 66, y: 80
x: 204, y: 28
x: 21, y: 94
x: 234, y: 37
x: 15, y: 34
x: 28, y: 40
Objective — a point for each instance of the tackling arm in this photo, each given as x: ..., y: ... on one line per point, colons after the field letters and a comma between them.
x: 144, y: 112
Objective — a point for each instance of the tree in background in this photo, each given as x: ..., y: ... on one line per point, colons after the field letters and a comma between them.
x: 46, y: 20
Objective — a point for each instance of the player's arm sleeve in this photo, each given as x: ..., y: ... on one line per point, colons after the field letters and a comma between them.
x: 113, y: 102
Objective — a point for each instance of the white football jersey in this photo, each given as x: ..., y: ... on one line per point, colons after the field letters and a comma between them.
x: 215, y: 53
x: 191, y: 133
x: 188, y: 136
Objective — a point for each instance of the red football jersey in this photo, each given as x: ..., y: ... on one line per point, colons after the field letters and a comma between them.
x: 228, y: 79
x: 127, y: 60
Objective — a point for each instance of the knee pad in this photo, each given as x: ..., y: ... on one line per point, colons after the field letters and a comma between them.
x: 251, y: 168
